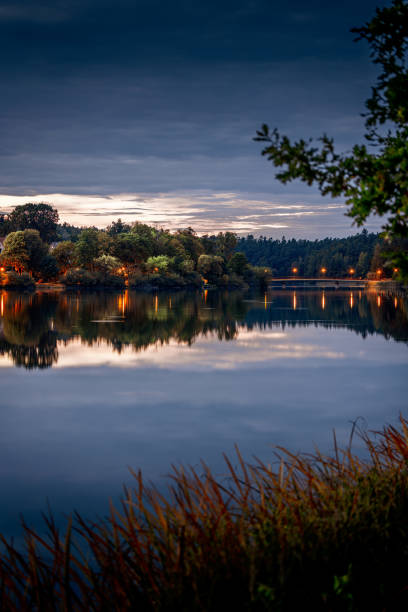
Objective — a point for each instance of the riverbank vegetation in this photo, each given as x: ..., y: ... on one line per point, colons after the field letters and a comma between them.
x: 358, y: 256
x: 327, y: 530
x: 136, y: 255
x: 141, y: 256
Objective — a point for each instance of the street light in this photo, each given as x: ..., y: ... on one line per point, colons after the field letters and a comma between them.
x: 294, y: 270
x: 351, y: 271
x: 323, y: 270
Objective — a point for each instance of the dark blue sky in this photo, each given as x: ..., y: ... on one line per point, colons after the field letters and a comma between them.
x: 160, y: 100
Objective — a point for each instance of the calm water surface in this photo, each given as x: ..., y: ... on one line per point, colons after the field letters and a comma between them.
x: 94, y: 383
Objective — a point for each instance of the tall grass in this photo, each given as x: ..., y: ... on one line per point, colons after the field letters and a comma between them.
x: 318, y: 532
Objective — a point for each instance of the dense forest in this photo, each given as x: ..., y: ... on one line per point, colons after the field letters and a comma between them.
x: 36, y: 247
x: 356, y: 255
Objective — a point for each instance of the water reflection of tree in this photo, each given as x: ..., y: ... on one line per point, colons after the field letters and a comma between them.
x: 32, y: 326
x: 25, y: 330
x: 363, y: 313
x: 149, y: 320
x: 42, y: 355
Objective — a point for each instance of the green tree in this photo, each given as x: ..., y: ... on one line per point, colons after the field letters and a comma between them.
x: 64, y: 253
x: 37, y: 250
x: 132, y: 249
x: 87, y: 247
x: 238, y: 263
x: 226, y: 244
x: 107, y: 264
x: 48, y: 269
x: 41, y: 217
x: 15, y: 252
x: 158, y: 263
x: 373, y: 178
x: 68, y: 232
x: 191, y: 243
x: 24, y: 250
x: 117, y: 227
x: 377, y: 261
x: 4, y: 225
x: 211, y: 267
x: 362, y: 264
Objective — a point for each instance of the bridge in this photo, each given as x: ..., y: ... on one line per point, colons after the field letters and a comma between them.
x: 328, y: 283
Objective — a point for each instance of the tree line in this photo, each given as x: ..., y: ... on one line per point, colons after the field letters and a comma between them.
x: 360, y: 256
x: 38, y: 248
x: 134, y: 254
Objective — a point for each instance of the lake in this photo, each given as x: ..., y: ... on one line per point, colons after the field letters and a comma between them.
x: 95, y: 383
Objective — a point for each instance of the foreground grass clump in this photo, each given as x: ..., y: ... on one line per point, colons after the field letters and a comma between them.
x: 318, y: 532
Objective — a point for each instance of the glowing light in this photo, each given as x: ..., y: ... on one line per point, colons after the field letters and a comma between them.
x: 395, y: 302
x: 120, y: 303
x: 379, y: 272
x: 323, y: 270
x: 378, y: 301
x: 294, y: 270
x: 265, y: 302
x: 123, y: 302
x: 205, y: 281
x: 156, y: 269
x: 205, y: 295
x: 396, y: 270
x: 323, y: 301
x: 351, y: 271
x: 2, y: 269
x: 351, y: 300
x: 156, y: 303
x: 2, y: 305
x: 294, y: 301
x: 170, y: 303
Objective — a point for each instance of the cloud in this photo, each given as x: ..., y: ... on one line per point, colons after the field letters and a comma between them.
x: 155, y: 98
x: 209, y: 212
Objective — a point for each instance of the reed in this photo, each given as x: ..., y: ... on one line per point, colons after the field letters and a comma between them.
x: 317, y: 531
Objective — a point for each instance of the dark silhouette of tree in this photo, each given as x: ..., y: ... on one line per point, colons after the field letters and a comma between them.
x: 338, y: 255
x: 118, y: 227
x: 373, y: 180
x: 41, y: 217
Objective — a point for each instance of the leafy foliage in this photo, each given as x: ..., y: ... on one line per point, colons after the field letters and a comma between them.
x: 87, y: 247
x: 41, y: 217
x: 338, y: 255
x: 15, y: 252
x: 64, y: 253
x: 373, y: 180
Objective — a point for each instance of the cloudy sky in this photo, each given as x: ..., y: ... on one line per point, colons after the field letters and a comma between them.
x: 146, y: 109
